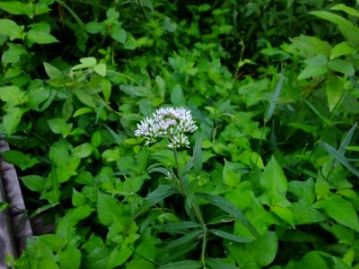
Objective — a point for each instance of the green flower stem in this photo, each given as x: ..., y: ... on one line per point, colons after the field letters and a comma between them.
x: 73, y: 13
x: 181, y: 183
x: 185, y: 191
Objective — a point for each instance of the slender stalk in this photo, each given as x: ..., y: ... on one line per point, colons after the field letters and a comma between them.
x: 179, y: 174
x: 186, y: 192
x: 73, y: 14
x: 199, y: 216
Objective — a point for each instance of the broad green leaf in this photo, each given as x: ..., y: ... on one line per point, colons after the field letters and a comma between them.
x: 48, y: 263
x: 119, y: 256
x: 60, y: 126
x: 313, y: 259
x: 21, y: 160
x: 40, y: 34
x: 221, y: 263
x: 177, y: 97
x: 52, y: 71
x: 131, y: 185
x: 109, y: 210
x: 311, y: 46
x: 42, y: 7
x: 147, y: 247
x: 78, y: 199
x: 101, y: 84
x: 169, y: 25
x: 274, y: 184
x: 303, y: 190
x: 347, y: 28
x: 13, y: 54
x: 340, y: 210
x: 112, y: 14
x: 86, y: 62
x: 85, y: 178
x: 95, y: 27
x: 59, y: 153
x: 348, y: 258
x: 137, y: 262
x: 257, y: 254
x: 70, y: 258
x: 145, y: 253
x: 96, y: 139
x: 97, y: 258
x: 66, y: 225
x: 63, y: 173
x: 11, y: 29
x: 12, y: 119
x: 82, y: 151
x: 119, y: 34
x: 111, y: 155
x: 322, y: 188
x: 306, y: 214
x: 161, y: 84
x: 182, y: 265
x: 100, y: 69
x: 230, y: 174
x: 18, y: 8
x: 342, y: 49
x: 315, y: 67
x: 39, y: 97
x: 34, y: 182
x: 342, y: 66
x: 12, y: 95
x: 131, y: 42
x: 285, y: 213
x: 334, y: 89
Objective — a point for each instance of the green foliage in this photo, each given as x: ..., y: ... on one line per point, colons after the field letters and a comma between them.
x: 271, y: 179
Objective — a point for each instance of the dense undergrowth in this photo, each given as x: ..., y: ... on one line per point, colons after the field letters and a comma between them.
x: 270, y: 176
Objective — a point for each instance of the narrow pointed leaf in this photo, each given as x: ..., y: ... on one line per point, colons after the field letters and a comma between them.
x: 274, y: 100
x: 192, y: 236
x: 346, y: 141
x: 340, y: 158
x: 182, y: 265
x: 177, y: 227
x: 159, y: 194
x: 230, y: 209
x: 229, y: 236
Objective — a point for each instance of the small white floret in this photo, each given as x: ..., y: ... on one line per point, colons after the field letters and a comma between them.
x: 168, y: 122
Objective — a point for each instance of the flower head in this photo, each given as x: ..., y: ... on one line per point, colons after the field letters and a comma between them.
x: 168, y: 122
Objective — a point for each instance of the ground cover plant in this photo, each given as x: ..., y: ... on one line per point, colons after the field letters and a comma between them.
x: 184, y: 134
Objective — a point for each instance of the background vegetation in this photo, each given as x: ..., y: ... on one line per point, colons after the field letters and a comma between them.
x: 273, y: 87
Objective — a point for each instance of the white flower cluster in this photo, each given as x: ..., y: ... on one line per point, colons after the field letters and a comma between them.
x: 168, y: 122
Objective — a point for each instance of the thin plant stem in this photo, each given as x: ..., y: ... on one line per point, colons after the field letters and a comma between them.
x: 179, y: 174
x: 73, y: 14
x: 186, y: 192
